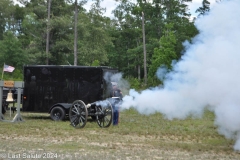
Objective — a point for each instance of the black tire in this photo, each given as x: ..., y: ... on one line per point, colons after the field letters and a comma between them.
x: 105, y: 115
x: 57, y: 113
x: 78, y: 114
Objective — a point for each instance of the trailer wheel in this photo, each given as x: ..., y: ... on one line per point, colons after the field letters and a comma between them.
x: 78, y: 114
x: 104, y: 115
x: 57, y: 113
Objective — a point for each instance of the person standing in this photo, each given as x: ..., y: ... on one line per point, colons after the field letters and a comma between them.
x: 117, y: 95
x: 116, y: 92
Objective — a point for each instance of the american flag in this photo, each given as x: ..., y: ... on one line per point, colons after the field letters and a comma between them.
x: 8, y: 68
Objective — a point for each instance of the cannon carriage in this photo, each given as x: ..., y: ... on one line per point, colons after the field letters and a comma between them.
x: 101, y: 111
x: 105, y: 112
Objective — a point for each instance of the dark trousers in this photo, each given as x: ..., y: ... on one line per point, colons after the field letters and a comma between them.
x: 115, y: 116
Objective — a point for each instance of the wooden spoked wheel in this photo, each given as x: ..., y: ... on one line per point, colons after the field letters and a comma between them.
x: 78, y: 114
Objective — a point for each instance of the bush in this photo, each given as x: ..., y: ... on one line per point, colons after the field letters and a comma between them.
x: 139, y: 84
x: 134, y: 83
x: 153, y: 81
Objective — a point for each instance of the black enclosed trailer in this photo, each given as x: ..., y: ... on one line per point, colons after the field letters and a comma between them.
x: 52, y: 89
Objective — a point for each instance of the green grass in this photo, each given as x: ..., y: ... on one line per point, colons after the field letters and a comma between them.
x: 136, y: 137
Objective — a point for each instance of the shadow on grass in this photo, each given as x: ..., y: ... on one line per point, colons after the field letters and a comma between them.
x: 37, y: 117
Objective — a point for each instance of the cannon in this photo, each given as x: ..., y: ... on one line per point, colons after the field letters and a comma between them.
x: 104, y: 112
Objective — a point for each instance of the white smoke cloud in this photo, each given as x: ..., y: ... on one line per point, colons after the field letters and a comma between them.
x: 118, y: 78
x: 205, y: 77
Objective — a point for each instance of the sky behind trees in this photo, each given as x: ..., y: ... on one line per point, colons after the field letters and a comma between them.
x: 111, y: 4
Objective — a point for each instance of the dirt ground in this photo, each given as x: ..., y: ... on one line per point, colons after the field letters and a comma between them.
x: 127, y: 147
x: 137, y: 137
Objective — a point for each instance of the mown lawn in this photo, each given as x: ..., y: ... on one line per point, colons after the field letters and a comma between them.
x: 136, y: 137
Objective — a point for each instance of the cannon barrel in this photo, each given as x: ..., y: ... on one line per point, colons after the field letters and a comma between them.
x: 112, y: 100
x: 91, y: 104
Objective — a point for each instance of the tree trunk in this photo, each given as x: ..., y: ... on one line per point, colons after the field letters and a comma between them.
x: 48, y: 32
x: 144, y: 51
x: 75, y: 33
x: 139, y: 72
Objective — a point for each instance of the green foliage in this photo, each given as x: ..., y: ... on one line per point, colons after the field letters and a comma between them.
x: 11, y: 52
x: 116, y: 42
x: 166, y: 53
x: 127, y: 53
x: 205, y: 8
x: 95, y: 63
x: 153, y: 82
x: 134, y: 83
x: 139, y: 84
x: 10, y: 17
x: 16, y: 75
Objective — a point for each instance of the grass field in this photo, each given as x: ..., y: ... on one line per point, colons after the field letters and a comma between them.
x: 136, y: 137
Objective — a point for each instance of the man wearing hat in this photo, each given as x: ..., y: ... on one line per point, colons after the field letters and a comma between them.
x: 116, y: 93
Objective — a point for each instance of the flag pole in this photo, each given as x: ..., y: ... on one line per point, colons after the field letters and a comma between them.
x: 3, y: 71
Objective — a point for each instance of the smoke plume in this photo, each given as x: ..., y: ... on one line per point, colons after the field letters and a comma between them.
x: 205, y: 78
x: 118, y: 78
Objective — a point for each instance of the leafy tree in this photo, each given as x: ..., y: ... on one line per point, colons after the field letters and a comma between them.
x: 115, y: 42
x: 11, y: 51
x: 9, y: 17
x: 205, y: 8
x: 166, y: 53
x: 93, y: 36
x: 61, y: 33
x: 157, y: 13
x: 33, y: 30
x: 127, y: 54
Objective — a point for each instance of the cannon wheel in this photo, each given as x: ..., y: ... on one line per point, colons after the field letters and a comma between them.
x: 78, y: 114
x: 104, y: 119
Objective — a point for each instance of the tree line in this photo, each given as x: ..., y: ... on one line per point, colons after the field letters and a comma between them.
x: 76, y: 36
